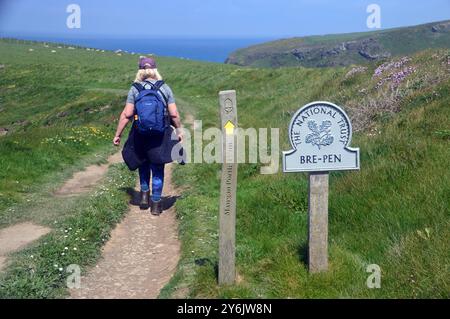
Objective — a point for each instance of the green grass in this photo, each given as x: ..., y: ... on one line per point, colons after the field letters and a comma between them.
x: 378, y: 215
x: 40, y: 271
x: 394, y: 212
x: 60, y: 119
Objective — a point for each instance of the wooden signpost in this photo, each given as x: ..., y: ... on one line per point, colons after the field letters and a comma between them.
x: 320, y: 134
x: 318, y: 221
x: 227, y: 213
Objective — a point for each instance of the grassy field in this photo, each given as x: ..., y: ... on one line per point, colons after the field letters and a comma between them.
x: 344, y: 49
x: 80, y: 227
x: 394, y: 212
x: 58, y: 123
x: 60, y: 109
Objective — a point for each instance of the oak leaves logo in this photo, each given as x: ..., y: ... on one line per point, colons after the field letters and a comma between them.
x: 321, y: 135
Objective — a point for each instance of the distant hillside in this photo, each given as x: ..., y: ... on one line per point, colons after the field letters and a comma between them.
x: 344, y: 49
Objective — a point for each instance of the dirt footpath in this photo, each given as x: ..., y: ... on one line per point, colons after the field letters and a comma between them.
x: 141, y: 256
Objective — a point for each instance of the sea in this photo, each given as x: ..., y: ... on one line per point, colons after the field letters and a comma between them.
x: 202, y: 49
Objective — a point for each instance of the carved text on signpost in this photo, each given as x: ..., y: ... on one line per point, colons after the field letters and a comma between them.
x: 320, y: 134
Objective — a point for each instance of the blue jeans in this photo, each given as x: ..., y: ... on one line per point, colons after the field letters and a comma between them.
x: 157, y: 171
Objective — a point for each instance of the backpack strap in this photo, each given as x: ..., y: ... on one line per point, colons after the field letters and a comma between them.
x: 157, y: 87
x: 138, y: 86
x: 159, y: 84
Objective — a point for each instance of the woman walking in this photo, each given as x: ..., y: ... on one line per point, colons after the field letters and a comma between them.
x: 151, y: 104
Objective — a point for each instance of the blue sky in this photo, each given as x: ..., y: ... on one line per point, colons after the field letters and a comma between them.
x: 211, y: 18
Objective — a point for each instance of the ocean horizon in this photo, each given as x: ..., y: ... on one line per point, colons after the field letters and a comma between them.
x: 202, y: 49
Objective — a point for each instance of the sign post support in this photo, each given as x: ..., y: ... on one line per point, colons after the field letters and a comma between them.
x: 320, y: 134
x: 227, y: 212
x: 318, y: 222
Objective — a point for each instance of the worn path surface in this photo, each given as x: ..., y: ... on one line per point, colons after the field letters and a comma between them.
x: 141, y: 256
x: 85, y: 180
x: 18, y: 236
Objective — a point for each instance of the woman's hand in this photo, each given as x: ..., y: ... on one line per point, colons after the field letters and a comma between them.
x: 116, y: 140
x: 180, y: 135
x: 125, y: 117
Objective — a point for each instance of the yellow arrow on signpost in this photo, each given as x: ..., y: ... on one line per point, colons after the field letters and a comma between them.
x: 229, y: 128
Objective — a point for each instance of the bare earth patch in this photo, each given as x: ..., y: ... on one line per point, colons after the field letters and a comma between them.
x: 83, y: 181
x: 15, y: 237
x: 18, y: 236
x: 139, y: 259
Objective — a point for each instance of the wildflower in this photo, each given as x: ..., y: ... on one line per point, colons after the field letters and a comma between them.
x: 66, y: 248
x: 355, y: 70
x: 388, y: 66
x: 396, y: 78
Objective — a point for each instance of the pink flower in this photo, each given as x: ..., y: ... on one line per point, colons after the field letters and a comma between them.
x: 396, y: 77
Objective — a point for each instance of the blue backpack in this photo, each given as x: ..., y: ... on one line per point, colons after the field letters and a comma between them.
x: 151, y: 115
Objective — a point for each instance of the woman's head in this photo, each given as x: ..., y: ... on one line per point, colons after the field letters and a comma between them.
x: 147, y: 70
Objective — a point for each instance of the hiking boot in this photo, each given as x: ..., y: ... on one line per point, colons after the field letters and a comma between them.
x: 157, y: 208
x: 145, y: 197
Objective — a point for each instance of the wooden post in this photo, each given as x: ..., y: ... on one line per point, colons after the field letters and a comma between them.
x: 318, y: 222
x: 227, y: 213
x: 320, y: 135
